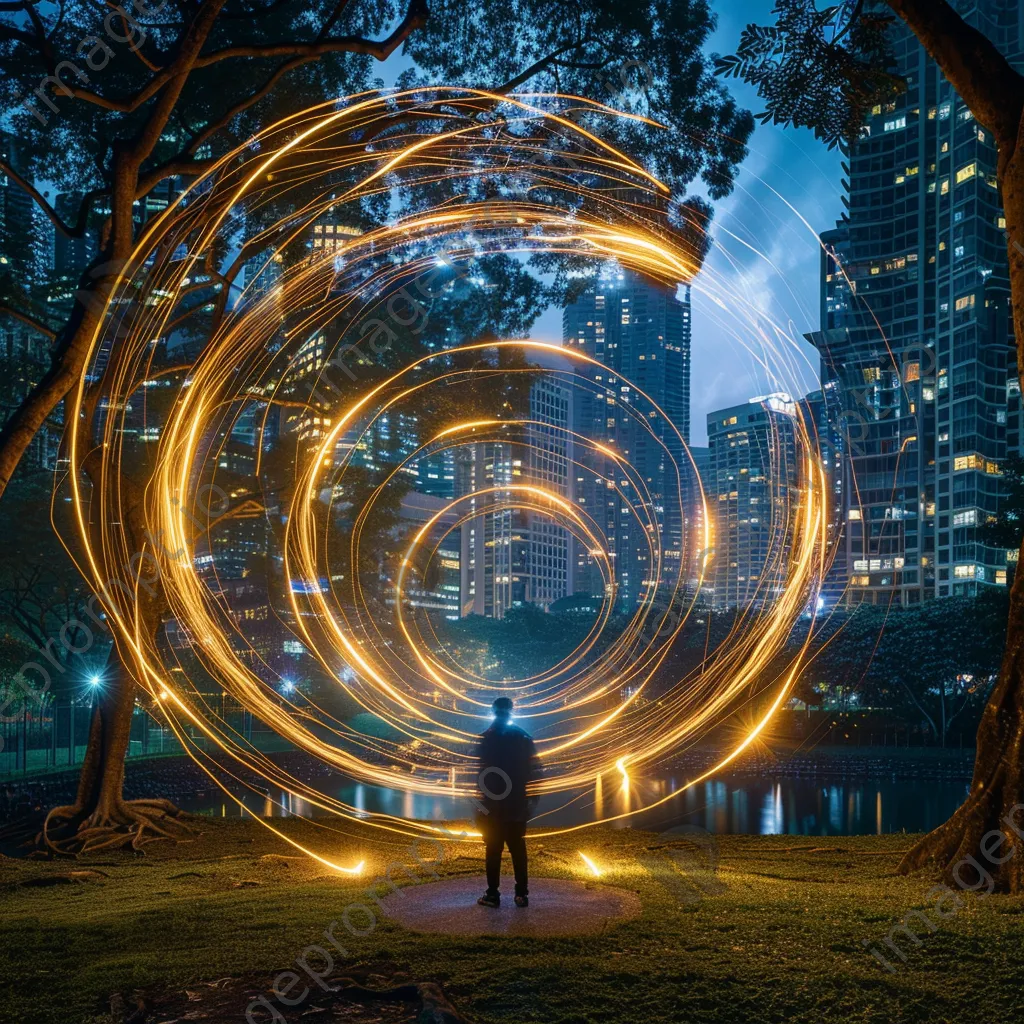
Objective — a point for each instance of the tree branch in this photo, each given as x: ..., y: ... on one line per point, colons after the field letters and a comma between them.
x: 26, y: 318
x: 191, y: 45
x: 84, y: 208
x: 177, y: 167
x: 974, y: 66
x: 541, y: 65
x: 67, y: 363
x: 415, y: 17
x: 215, y: 126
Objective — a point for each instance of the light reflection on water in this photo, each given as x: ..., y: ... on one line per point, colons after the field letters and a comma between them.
x: 732, y: 804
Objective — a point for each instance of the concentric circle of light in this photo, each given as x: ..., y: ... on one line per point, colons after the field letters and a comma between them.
x: 535, y: 182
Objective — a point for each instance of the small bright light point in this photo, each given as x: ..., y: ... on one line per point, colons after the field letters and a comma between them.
x: 594, y: 869
x: 287, y: 685
x: 94, y: 680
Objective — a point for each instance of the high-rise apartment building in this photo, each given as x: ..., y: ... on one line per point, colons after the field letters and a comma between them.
x: 495, y: 542
x: 552, y: 553
x: 917, y: 338
x: 16, y: 218
x: 752, y: 480
x: 640, y: 332
x: 24, y: 351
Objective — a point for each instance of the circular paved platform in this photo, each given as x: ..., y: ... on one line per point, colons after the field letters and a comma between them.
x: 557, y: 907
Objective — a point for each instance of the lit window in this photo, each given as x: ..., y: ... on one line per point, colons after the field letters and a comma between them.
x: 964, y: 302
x: 854, y: 514
x: 966, y: 173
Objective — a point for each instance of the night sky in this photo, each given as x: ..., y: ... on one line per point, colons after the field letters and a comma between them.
x: 781, y: 273
x: 785, y: 279
x: 774, y: 260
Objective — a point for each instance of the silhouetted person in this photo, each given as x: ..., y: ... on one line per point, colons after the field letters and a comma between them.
x: 508, y: 763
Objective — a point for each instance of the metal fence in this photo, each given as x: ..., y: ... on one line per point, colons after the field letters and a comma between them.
x: 56, y: 736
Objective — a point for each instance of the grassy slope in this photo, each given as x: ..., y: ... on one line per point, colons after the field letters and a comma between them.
x: 779, y: 941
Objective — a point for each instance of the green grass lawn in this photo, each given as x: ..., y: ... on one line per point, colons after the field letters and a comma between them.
x: 776, y: 937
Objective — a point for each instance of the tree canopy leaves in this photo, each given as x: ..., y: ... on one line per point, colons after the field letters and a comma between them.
x: 819, y: 69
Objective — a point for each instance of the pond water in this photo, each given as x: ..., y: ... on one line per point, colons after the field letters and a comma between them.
x: 729, y: 804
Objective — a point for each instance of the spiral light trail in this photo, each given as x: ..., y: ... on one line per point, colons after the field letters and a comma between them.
x: 474, y: 174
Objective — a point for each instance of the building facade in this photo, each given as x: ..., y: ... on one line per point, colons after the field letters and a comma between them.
x: 752, y: 479
x: 916, y: 337
x: 639, y: 332
x: 494, y: 544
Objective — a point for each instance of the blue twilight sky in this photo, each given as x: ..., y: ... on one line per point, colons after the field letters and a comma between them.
x: 789, y: 178
x: 759, y: 288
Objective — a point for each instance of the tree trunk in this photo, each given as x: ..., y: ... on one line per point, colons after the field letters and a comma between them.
x: 101, y: 783
x: 100, y: 817
x: 996, y: 800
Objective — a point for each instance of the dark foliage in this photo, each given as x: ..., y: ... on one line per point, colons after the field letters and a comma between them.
x: 819, y: 69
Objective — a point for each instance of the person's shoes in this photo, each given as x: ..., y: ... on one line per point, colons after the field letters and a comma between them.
x: 522, y: 901
x: 487, y: 900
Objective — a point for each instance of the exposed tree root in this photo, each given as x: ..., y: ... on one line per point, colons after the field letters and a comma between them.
x: 982, y: 845
x: 70, y: 831
x: 957, y: 849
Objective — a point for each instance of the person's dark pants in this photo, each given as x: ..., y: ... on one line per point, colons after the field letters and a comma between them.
x: 497, y: 835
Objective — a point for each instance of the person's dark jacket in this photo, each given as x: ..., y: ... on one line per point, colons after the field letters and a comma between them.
x: 508, y: 764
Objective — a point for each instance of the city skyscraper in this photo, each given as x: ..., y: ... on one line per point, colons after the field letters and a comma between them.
x: 24, y: 351
x: 494, y: 544
x: 512, y: 557
x: 916, y: 336
x: 16, y: 218
x: 640, y: 331
x: 551, y: 559
x: 751, y: 478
